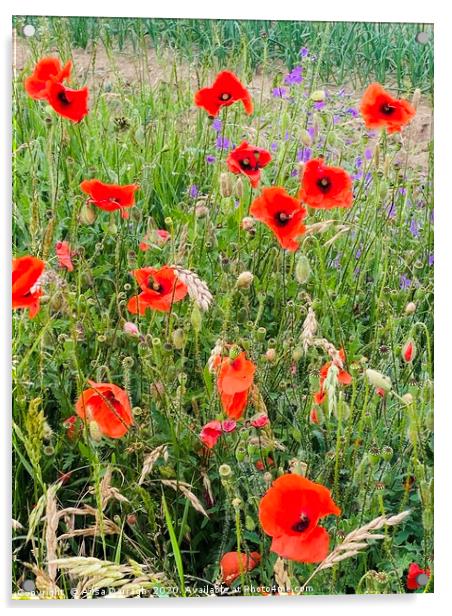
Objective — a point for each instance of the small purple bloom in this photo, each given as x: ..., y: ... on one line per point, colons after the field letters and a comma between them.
x: 359, y: 162
x: 357, y: 176
x: 222, y: 143
x: 279, y: 92
x: 286, y: 136
x: 304, y: 51
x: 432, y: 217
x: 311, y: 132
x: 336, y: 119
x: 358, y: 253
x: 431, y: 259
x: 391, y: 210
x: 368, y: 154
x: 402, y: 191
x: 405, y: 283
x: 273, y: 146
x: 319, y: 105
x: 217, y: 125
x: 352, y: 111
x: 307, y: 154
x: 414, y: 228
x: 294, y: 77
x: 194, y: 192
x: 335, y: 263
x: 294, y: 173
x: 341, y: 92
x: 210, y: 159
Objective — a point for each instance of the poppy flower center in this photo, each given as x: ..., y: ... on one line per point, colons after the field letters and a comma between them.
x: 324, y: 184
x: 283, y: 218
x: 387, y: 109
x: 246, y: 165
x: 154, y: 285
x: 61, y: 96
x: 225, y: 96
x: 302, y: 524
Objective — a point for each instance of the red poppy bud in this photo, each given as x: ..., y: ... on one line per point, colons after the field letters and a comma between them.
x: 409, y: 351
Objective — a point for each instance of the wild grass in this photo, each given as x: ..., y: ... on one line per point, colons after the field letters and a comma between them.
x: 365, y: 265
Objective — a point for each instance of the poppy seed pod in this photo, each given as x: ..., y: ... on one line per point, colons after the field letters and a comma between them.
x: 378, y: 380
x: 239, y: 188
x: 225, y: 185
x: 270, y: 355
x: 245, y: 280
x: 196, y: 318
x: 225, y: 471
x: 408, y: 351
x: 178, y: 338
x: 201, y: 211
x: 407, y: 399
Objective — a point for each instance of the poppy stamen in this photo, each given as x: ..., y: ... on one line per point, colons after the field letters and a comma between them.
x: 225, y: 96
x: 302, y: 525
x: 324, y: 184
x: 387, y: 109
x: 283, y: 218
x: 61, y: 96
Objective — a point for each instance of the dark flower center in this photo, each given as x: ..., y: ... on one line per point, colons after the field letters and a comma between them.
x: 387, y: 109
x: 283, y: 218
x: 154, y: 285
x: 324, y: 184
x: 225, y: 96
x: 246, y: 165
x: 302, y: 525
x: 61, y: 96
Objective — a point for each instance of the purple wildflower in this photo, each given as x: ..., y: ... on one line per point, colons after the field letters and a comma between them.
x: 320, y: 105
x: 311, y: 132
x: 405, y: 283
x: 402, y: 191
x: 358, y: 253
x: 341, y: 92
x: 273, y: 146
x: 194, y: 192
x: 279, y: 92
x: 414, y: 228
x: 307, y: 153
x: 222, y: 143
x: 335, y: 263
x: 359, y: 162
x: 336, y: 119
x: 352, y: 111
x: 294, y: 77
x: 391, y: 210
x: 217, y: 125
x: 368, y: 154
x: 431, y: 259
x: 294, y: 173
x: 286, y: 136
x: 304, y: 51
x: 210, y: 159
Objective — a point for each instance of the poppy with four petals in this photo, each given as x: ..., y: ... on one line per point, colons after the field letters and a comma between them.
x: 325, y: 187
x: 108, y: 406
x: 161, y: 288
x: 68, y: 103
x: 249, y: 160
x: 110, y: 197
x: 381, y: 110
x: 343, y: 377
x: 290, y: 511
x: 47, y: 69
x: 64, y: 254
x: 282, y: 213
x: 414, y: 571
x: 226, y: 90
x: 210, y: 433
x: 26, y: 272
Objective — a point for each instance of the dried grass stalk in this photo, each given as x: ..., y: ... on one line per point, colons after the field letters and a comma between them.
x: 309, y: 329
x: 282, y: 578
x: 185, y: 488
x: 52, y: 519
x: 150, y: 460
x: 197, y: 288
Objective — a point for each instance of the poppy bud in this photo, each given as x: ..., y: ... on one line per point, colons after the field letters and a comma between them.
x: 302, y: 269
x: 331, y: 139
x: 225, y: 185
x: 239, y: 188
x: 237, y: 503
x: 94, y: 431
x: 87, y: 215
x: 178, y: 338
x: 377, y: 155
x: 240, y: 454
x: 234, y: 351
x: 131, y: 329
x: 196, y: 318
x: 318, y: 96
x: 270, y: 355
x: 201, y: 211
x: 427, y: 519
x: 131, y: 519
x: 408, y: 351
x: 407, y: 399
x: 250, y: 524
x: 245, y: 280
x: 248, y: 223
x: 297, y: 354
x: 378, y: 380
x: 261, y: 333
x: 410, y: 308
x: 268, y: 478
x: 306, y: 138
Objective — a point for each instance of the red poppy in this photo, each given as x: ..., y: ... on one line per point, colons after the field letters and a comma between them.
x: 25, y: 274
x: 157, y: 237
x: 313, y: 416
x: 414, y: 571
x: 225, y: 91
x: 282, y: 214
x: 259, y: 464
x: 71, y: 427
x: 69, y: 103
x: 210, y: 433
x: 380, y: 110
x: 108, y: 406
x: 228, y: 425
x: 110, y: 197
x: 249, y: 160
x: 47, y: 69
x: 289, y: 512
x: 64, y: 253
x: 161, y: 288
x: 325, y: 187
x: 343, y: 377
x: 235, y: 377
x: 233, y: 564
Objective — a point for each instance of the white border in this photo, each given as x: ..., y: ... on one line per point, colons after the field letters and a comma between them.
x: 433, y: 11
